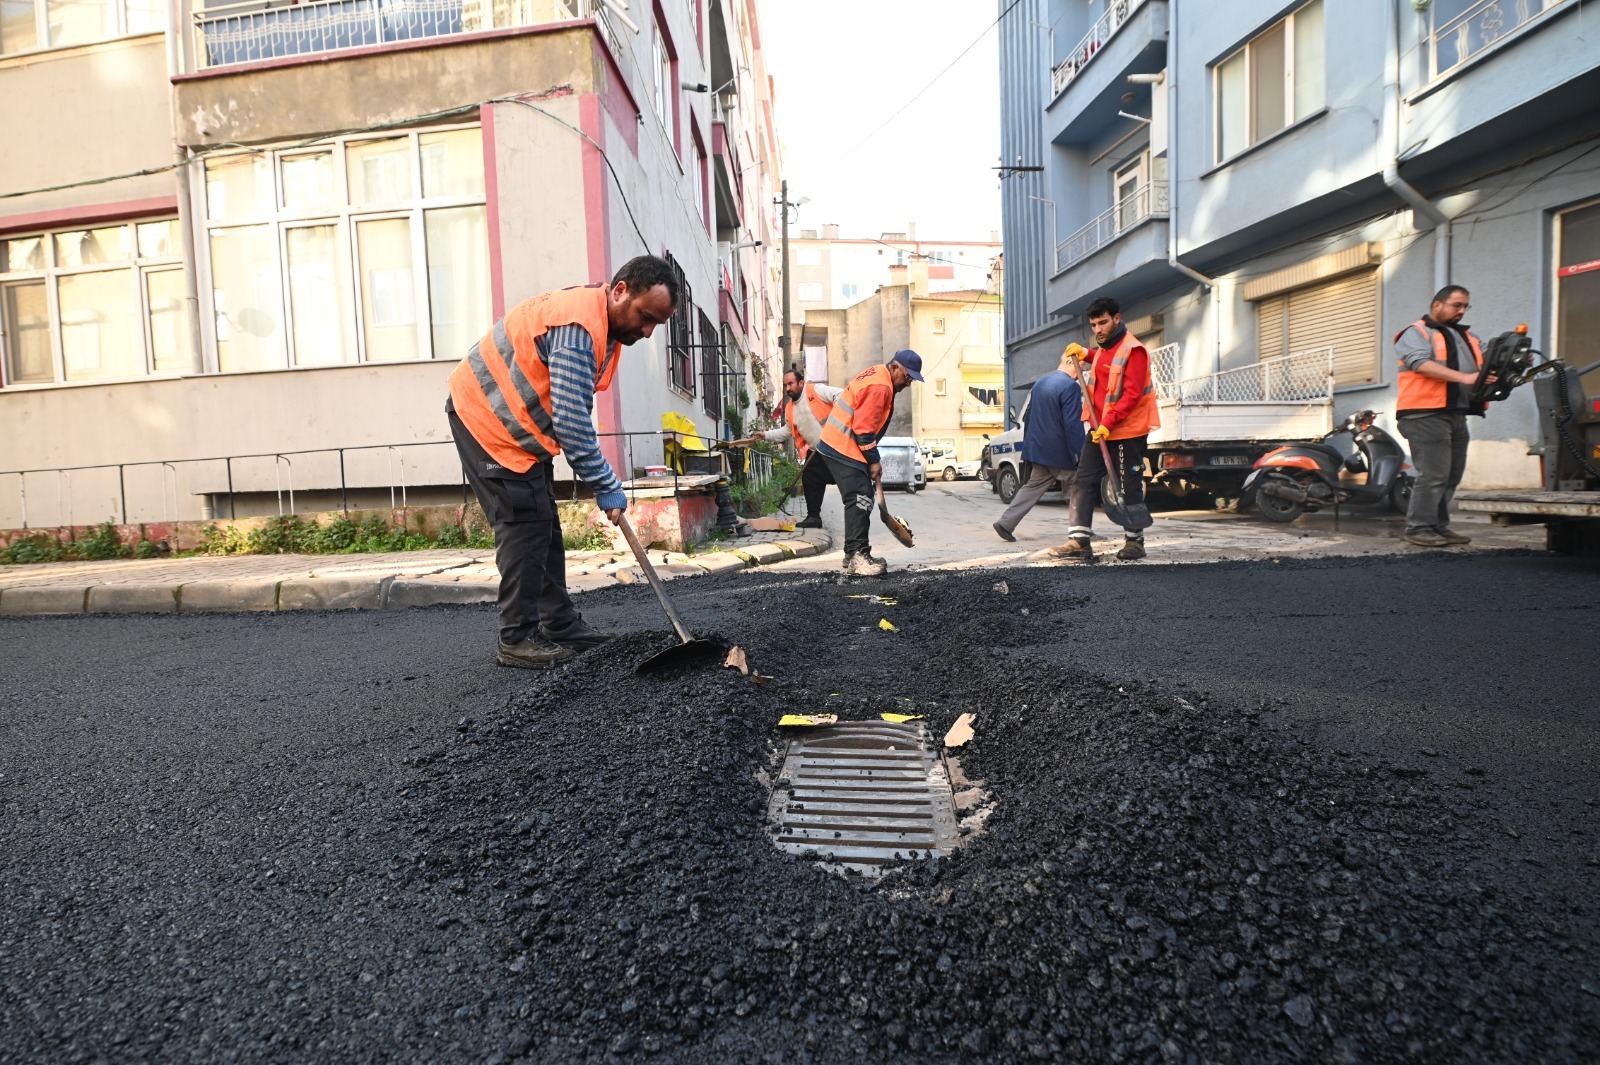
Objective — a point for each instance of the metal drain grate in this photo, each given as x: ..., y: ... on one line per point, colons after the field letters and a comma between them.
x: 863, y: 794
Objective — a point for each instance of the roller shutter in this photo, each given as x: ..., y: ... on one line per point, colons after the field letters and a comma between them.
x: 1342, y: 314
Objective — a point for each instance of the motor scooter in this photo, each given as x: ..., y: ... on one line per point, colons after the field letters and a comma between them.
x: 1290, y: 481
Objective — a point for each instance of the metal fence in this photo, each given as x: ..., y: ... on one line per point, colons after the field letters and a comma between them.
x: 1101, y: 32
x: 1453, y: 40
x: 270, y: 29
x: 1300, y: 377
x: 156, y: 490
x: 1147, y: 201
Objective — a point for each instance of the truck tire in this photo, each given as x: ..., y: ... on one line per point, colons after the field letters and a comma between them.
x: 1007, y: 483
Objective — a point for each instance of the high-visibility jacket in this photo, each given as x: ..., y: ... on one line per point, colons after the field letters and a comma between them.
x: 1145, y: 415
x: 860, y: 415
x: 501, y: 390
x: 805, y: 435
x: 1421, y: 393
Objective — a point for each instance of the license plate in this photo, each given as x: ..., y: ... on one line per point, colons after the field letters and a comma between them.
x: 1230, y: 460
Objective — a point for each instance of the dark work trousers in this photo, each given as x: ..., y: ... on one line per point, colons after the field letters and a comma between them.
x: 521, y: 508
x: 814, y: 481
x: 1439, y: 453
x: 1128, y: 455
x: 1040, y: 480
x: 855, y: 488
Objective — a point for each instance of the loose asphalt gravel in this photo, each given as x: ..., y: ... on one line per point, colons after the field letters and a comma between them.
x: 1326, y: 811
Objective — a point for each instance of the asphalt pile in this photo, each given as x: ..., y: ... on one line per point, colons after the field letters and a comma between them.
x: 1167, y: 875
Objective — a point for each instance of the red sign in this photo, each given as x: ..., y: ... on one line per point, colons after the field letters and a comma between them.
x: 1578, y: 268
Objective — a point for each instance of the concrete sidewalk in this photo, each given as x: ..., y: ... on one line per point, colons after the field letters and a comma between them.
x: 390, y: 581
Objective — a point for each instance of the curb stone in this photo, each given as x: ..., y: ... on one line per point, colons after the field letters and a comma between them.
x: 334, y: 593
x: 46, y: 599
x: 228, y: 596
x: 404, y: 594
x: 132, y: 599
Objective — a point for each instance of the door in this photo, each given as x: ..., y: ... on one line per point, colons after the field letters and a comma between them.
x: 1129, y: 186
x: 1577, y: 338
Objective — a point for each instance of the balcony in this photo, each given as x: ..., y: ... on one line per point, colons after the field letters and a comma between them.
x: 1123, y: 248
x: 258, y: 30
x: 1144, y: 203
x: 987, y: 416
x: 1454, y: 40
x: 727, y: 175
x: 1087, y: 86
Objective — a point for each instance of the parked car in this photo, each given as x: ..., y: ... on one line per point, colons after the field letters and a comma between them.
x: 902, y: 463
x: 943, y: 464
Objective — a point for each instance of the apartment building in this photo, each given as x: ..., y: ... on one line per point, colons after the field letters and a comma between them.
x: 252, y: 244
x: 957, y: 332
x: 1264, y: 178
x: 829, y: 270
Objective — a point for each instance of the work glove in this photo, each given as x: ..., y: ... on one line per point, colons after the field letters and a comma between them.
x: 1075, y: 349
x: 1099, y: 435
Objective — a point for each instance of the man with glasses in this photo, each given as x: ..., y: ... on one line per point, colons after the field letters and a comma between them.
x: 1439, y: 363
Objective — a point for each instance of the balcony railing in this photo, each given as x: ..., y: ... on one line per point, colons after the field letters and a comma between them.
x: 271, y: 29
x: 1102, y: 31
x: 1147, y: 201
x: 981, y: 416
x: 1454, y: 39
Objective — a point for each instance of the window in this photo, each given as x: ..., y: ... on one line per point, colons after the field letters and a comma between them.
x: 938, y: 325
x: 32, y: 25
x: 680, y: 335
x: 1577, y: 287
x: 1341, y: 313
x: 939, y: 386
x: 665, y: 95
x: 989, y: 397
x: 698, y: 178
x: 1270, y: 83
x: 1460, y: 29
x: 98, y: 304
x: 849, y: 292
x: 710, y: 367
x: 1128, y: 186
x: 811, y: 292
x: 364, y: 250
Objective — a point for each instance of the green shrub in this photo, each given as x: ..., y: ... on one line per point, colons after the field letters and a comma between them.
x: 218, y: 541
x: 336, y: 537
x: 593, y: 539
x: 451, y: 535
x: 147, y: 549
x: 32, y: 549
x: 104, y: 543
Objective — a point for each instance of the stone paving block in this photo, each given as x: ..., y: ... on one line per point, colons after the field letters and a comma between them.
x: 49, y: 599
x: 404, y: 594
x: 721, y: 562
x: 332, y: 593
x: 133, y: 599
x: 229, y: 596
x: 679, y: 569
x: 759, y: 554
x: 798, y: 548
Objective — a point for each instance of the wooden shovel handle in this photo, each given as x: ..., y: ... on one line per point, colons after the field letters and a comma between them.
x: 655, y: 582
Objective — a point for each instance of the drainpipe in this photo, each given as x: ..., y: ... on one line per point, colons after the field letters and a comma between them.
x: 1425, y: 215
x: 191, y: 284
x: 1172, y: 179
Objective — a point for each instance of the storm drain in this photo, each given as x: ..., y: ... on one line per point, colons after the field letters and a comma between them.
x: 863, y: 795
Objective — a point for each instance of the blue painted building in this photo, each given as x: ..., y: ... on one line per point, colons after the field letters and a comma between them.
x: 1263, y: 178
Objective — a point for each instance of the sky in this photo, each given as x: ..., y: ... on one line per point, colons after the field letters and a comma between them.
x: 843, y: 67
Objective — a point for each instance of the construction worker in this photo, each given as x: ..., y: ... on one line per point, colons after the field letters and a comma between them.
x: 1440, y: 360
x: 849, y: 451
x: 802, y: 423
x: 1119, y: 404
x: 1052, y: 442
x: 524, y: 394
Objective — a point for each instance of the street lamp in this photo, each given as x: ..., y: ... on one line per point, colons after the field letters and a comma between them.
x: 784, y: 203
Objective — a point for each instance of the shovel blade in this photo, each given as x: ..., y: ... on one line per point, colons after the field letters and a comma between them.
x: 691, y: 653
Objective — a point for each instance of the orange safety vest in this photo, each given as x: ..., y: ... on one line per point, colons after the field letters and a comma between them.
x: 1145, y: 416
x: 842, y: 431
x: 501, y: 390
x: 1418, y: 392
x: 819, y: 410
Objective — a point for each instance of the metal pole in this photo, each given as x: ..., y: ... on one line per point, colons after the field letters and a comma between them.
x: 23, y: 481
x: 783, y: 338
x: 344, y: 496
x: 167, y: 514
x: 290, y: 464
x: 388, y: 461
x: 122, y: 493
x: 64, y: 499
x: 232, y: 510
x: 277, y: 482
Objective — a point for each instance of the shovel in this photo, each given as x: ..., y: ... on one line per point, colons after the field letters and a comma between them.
x: 691, y: 651
x: 1136, y: 516
x: 898, y: 528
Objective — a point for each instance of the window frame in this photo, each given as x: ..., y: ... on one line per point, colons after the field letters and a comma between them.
x: 1290, y: 62
x: 137, y: 266
x: 664, y: 61
x: 346, y: 216
x: 41, y: 30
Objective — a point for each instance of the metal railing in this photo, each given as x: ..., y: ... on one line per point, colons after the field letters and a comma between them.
x: 1300, y: 377
x: 223, y: 478
x: 270, y: 29
x: 1478, y: 28
x: 1147, y: 201
x: 1101, y: 32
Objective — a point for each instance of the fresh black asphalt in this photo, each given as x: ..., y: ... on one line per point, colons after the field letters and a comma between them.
x: 1323, y: 811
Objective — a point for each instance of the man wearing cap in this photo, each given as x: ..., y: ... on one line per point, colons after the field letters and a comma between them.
x: 849, y: 451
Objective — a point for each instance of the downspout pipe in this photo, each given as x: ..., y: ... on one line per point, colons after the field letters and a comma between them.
x: 1425, y: 214
x: 1172, y: 153
x: 186, y: 220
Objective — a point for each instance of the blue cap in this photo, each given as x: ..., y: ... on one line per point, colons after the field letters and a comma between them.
x: 911, y: 361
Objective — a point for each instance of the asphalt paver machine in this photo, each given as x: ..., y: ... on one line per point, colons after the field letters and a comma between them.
x: 1568, y: 400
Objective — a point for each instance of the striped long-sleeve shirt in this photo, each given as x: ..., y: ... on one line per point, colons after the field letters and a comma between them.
x: 568, y: 353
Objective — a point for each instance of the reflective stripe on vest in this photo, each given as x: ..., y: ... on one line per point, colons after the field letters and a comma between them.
x: 819, y: 408
x: 838, y: 431
x: 501, y: 390
x: 1419, y: 392
x: 1145, y: 415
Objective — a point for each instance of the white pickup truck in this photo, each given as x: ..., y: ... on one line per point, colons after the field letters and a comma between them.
x: 1213, y: 428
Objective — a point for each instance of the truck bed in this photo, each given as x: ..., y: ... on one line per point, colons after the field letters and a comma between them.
x: 1535, y: 502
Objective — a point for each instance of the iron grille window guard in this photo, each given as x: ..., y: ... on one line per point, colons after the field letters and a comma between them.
x: 1476, y: 27
x: 1102, y: 31
x: 1147, y: 201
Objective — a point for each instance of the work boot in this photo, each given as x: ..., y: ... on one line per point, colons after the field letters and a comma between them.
x: 1074, y: 550
x: 579, y: 636
x: 1426, y: 538
x: 1132, y: 550
x: 810, y: 521
x: 1005, y: 533
x: 1453, y: 537
x: 864, y: 565
x: 533, y: 653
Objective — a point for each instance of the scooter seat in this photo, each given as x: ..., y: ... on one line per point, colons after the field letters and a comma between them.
x: 1327, y: 449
